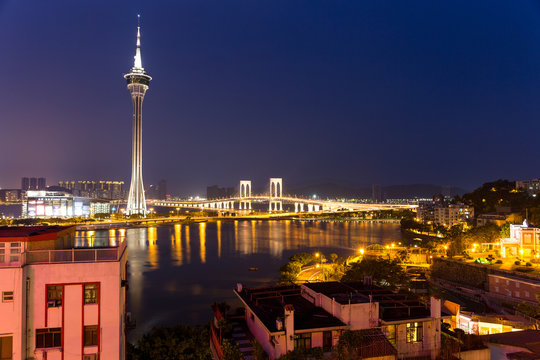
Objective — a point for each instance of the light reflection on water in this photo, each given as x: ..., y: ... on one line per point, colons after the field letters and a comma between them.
x: 177, y: 271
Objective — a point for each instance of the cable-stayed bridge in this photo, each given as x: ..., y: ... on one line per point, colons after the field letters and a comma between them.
x: 245, y: 199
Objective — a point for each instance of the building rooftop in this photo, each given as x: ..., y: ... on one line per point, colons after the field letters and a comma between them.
x: 29, y: 233
x: 392, y: 306
x: 268, y: 305
x: 527, y: 339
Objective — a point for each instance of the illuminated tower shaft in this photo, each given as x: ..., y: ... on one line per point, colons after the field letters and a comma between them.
x: 138, y: 82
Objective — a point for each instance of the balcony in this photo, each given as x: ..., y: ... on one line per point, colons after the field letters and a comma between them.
x: 75, y: 255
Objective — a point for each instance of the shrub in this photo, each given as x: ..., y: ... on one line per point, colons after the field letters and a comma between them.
x: 528, y: 264
x: 517, y: 262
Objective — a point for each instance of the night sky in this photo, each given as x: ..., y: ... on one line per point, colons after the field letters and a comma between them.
x: 355, y: 92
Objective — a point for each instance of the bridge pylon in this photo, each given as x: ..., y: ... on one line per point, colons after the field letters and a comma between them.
x: 276, y: 193
x: 245, y: 194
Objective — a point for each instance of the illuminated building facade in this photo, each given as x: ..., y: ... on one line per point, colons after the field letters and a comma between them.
x: 44, y: 203
x: 524, y: 242
x: 59, y: 302
x: 138, y: 82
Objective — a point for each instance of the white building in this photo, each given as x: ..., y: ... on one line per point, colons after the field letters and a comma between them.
x: 390, y: 325
x: 452, y: 214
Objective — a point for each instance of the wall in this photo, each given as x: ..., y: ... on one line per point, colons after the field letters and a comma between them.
x: 519, y: 289
x: 12, y: 314
x: 74, y: 313
x: 259, y: 331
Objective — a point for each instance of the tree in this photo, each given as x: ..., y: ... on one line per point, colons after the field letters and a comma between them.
x: 384, y: 272
x: 347, y: 347
x: 303, y: 354
x: 505, y: 231
x: 176, y: 342
x: 333, y: 257
x: 302, y: 258
x: 230, y: 351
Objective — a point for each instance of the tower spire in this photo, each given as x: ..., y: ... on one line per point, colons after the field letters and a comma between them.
x: 138, y: 61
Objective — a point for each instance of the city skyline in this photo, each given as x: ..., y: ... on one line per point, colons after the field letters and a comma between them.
x: 348, y: 93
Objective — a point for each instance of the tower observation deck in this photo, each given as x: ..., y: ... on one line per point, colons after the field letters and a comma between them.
x: 138, y: 82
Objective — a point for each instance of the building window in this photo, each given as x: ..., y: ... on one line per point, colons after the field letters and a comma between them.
x: 54, y: 295
x: 6, y: 347
x: 7, y: 296
x: 90, y: 335
x: 517, y: 294
x: 391, y: 334
x: 91, y: 293
x: 327, y: 340
x: 90, y: 357
x: 14, y: 251
x: 302, y: 341
x: 497, y: 280
x: 527, y: 294
x: 48, y: 338
x: 496, y: 289
x: 414, y: 332
x: 2, y: 252
x: 517, y: 284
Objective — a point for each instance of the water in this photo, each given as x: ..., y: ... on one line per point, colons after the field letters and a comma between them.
x: 176, y: 272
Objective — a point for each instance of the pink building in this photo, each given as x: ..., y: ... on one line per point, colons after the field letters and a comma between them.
x: 59, y: 302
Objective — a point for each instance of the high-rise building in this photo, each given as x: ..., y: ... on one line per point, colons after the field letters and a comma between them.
x: 138, y: 82
x: 59, y: 301
x: 162, y: 189
x: 41, y: 183
x: 376, y: 193
x: 33, y: 183
x: 101, y: 189
x: 25, y: 183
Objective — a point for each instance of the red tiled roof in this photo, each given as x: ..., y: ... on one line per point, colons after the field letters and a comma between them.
x: 29, y: 231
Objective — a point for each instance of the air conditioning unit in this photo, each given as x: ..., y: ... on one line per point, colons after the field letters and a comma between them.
x: 90, y: 357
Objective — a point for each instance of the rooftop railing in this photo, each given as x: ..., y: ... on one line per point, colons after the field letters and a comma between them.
x: 67, y: 256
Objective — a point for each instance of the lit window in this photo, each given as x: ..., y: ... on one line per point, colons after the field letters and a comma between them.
x: 7, y: 296
x: 54, y: 296
x: 90, y: 335
x: 302, y: 341
x: 48, y: 338
x: 91, y: 293
x: 391, y: 334
x: 415, y: 332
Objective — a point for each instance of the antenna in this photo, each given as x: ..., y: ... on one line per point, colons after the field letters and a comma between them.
x: 138, y: 20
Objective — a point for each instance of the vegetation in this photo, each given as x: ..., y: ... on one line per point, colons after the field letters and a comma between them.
x: 171, y: 343
x: 383, y: 272
x: 500, y: 193
x: 303, y: 354
x: 230, y: 350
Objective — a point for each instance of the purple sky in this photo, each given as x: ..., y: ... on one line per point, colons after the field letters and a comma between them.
x: 357, y: 92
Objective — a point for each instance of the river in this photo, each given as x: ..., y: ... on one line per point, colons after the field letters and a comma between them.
x: 177, y: 271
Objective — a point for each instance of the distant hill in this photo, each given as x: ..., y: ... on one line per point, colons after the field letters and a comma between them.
x: 332, y: 190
